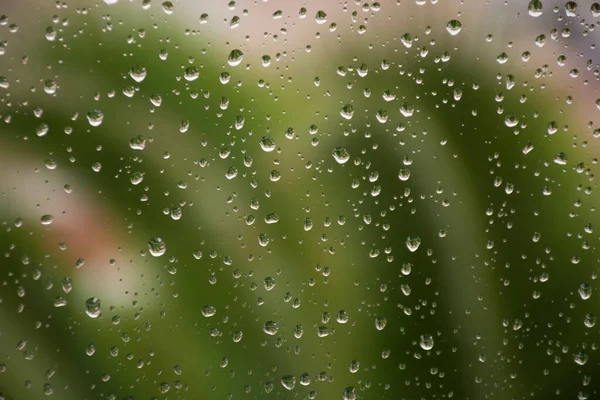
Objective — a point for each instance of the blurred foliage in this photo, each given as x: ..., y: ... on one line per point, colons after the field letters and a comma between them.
x: 506, y: 236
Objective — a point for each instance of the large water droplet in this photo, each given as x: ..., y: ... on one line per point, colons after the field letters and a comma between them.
x: 235, y: 57
x: 341, y: 155
x: 157, y: 247
x: 413, y: 243
x: 92, y: 307
x: 95, y: 117
x: 426, y: 342
x: 270, y: 328
x: 288, y: 382
x: 453, y: 27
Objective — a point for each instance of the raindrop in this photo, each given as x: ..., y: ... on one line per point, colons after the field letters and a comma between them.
x: 288, y: 382
x: 138, y: 73
x: 92, y: 307
x: 321, y: 17
x: 453, y: 27
x: 270, y: 328
x: 42, y: 130
x: 137, y: 142
x: 157, y: 247
x: 560, y: 158
x: 47, y: 219
x: 589, y: 320
x: 380, y: 323
x: 413, y: 243
x: 585, y: 291
x: 535, y: 8
x: 347, y: 111
x: 426, y: 342
x: 341, y: 155
x: 95, y: 117
x: 580, y: 358
x: 267, y: 143
x: 167, y: 7
x: 191, y: 73
x: 235, y: 57
x: 407, y: 109
x: 208, y: 311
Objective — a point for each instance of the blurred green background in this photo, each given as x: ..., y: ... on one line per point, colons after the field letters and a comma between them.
x: 452, y: 254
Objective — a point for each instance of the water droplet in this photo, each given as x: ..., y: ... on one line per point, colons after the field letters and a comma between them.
x: 235, y: 57
x: 270, y: 328
x: 347, y: 111
x: 426, y: 342
x: 571, y: 9
x: 267, y: 143
x: 157, y: 247
x: 354, y: 366
x: 137, y: 142
x: 321, y: 17
x: 560, y: 158
x: 191, y: 73
x: 168, y: 7
x: 413, y: 243
x: 535, y: 8
x: 453, y: 27
x: 288, y: 382
x: 138, y: 73
x: 136, y: 178
x: 50, y: 86
x: 269, y: 283
x: 60, y: 302
x: 404, y: 174
x: 231, y: 173
x: 95, y: 117
x: 380, y: 323
x: 208, y: 311
x: 580, y: 358
x: 42, y: 130
x: 407, y: 40
x: 585, y: 291
x: 341, y: 155
x: 308, y: 224
x: 350, y: 393
x: 511, y: 120
x: 47, y: 219
x: 595, y: 10
x: 265, y: 60
x: 589, y: 320
x: 407, y: 109
x: 92, y: 307
x: 263, y: 239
